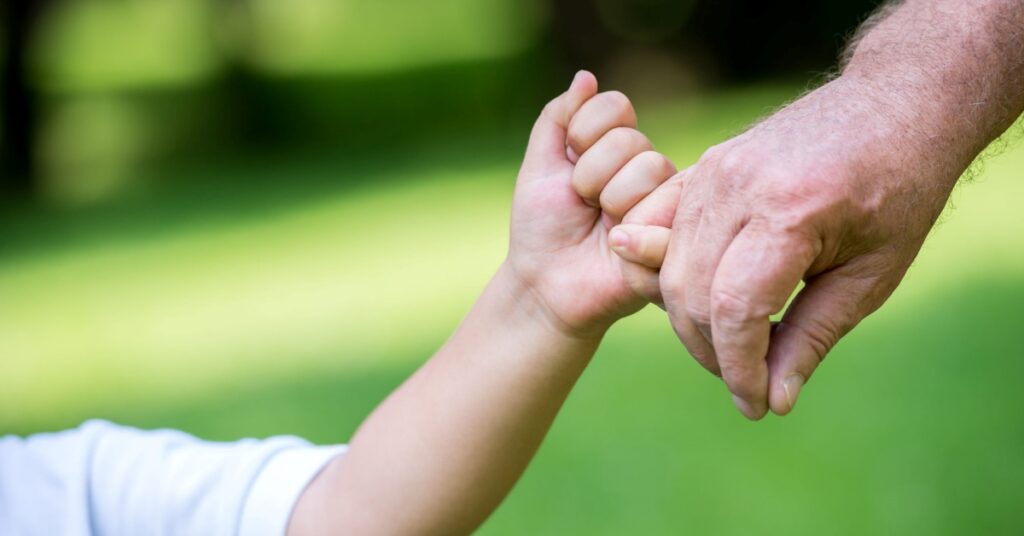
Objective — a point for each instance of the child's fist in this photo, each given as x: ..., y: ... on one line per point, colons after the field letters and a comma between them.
x: 642, y: 239
x: 586, y: 166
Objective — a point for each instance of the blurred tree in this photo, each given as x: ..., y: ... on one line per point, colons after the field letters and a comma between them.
x: 578, y: 33
x: 19, y: 99
x: 752, y: 39
x: 742, y: 39
x: 249, y: 76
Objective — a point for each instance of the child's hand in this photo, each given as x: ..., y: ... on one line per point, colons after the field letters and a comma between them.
x: 641, y: 240
x: 586, y: 166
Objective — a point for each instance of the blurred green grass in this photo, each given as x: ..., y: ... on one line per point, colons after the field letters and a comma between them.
x: 256, y: 306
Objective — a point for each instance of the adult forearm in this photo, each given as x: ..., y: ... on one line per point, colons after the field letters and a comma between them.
x: 839, y: 190
x: 952, y: 70
x: 440, y: 454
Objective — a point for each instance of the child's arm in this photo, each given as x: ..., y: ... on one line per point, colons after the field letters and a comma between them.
x: 446, y: 447
x: 443, y: 450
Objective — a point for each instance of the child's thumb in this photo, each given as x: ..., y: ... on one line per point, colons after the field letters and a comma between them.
x: 548, y: 140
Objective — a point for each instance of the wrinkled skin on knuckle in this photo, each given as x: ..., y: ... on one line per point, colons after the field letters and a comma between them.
x: 791, y: 201
x: 730, y: 307
x: 870, y: 279
x: 691, y: 216
x: 807, y: 211
x: 698, y: 313
x: 743, y: 380
x: 711, y: 155
x: 832, y: 202
x: 694, y: 343
x: 672, y: 285
x: 819, y: 334
x: 735, y: 166
x: 736, y: 182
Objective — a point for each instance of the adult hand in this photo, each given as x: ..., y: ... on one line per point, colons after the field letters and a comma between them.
x: 837, y: 190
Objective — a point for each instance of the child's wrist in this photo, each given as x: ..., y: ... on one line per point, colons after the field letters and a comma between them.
x: 528, y: 303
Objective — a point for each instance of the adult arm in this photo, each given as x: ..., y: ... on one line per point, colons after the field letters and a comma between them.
x: 839, y: 190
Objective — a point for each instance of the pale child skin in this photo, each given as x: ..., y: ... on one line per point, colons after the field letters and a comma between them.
x: 439, y: 455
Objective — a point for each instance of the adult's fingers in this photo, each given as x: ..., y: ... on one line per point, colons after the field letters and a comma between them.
x: 708, y: 220
x: 757, y: 274
x: 641, y: 244
x: 660, y: 209
x: 675, y: 274
x: 677, y: 204
x: 708, y: 239
x: 826, y: 309
x: 548, y: 138
x: 596, y: 116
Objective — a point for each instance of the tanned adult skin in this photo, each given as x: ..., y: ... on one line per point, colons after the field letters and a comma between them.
x: 837, y: 190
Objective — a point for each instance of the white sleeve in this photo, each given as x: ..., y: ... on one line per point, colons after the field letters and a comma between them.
x: 278, y: 486
x: 111, y: 480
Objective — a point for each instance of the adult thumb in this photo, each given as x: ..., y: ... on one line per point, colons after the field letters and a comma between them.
x: 825, y: 310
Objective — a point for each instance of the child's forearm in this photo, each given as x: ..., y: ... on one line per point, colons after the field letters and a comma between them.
x: 446, y: 447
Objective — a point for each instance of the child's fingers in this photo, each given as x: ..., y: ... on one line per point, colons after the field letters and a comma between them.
x: 643, y: 281
x: 605, y: 159
x: 596, y: 116
x: 641, y: 244
x: 659, y: 208
x: 635, y: 181
x: 548, y: 138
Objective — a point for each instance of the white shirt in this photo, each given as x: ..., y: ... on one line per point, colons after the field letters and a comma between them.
x: 106, y: 479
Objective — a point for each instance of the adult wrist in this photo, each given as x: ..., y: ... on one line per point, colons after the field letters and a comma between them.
x: 944, y: 111
x: 913, y: 134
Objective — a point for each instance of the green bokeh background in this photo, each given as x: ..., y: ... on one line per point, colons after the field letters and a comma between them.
x: 248, y: 295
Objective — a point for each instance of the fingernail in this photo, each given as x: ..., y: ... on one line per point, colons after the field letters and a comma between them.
x: 617, y: 238
x: 750, y: 411
x: 792, y: 385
